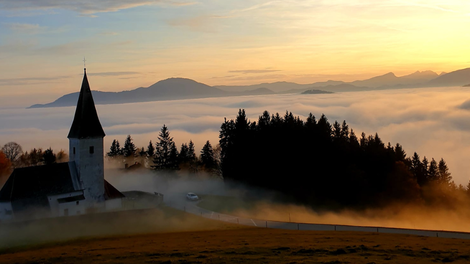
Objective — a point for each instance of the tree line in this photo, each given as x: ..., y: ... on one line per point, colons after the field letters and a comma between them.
x: 318, y: 163
x: 165, y: 156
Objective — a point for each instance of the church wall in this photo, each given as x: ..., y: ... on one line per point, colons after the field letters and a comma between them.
x: 89, y: 160
x: 54, y: 203
x: 113, y: 204
x: 72, y: 208
x: 6, y: 211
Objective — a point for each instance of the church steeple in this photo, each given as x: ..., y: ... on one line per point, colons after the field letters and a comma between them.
x: 86, y: 123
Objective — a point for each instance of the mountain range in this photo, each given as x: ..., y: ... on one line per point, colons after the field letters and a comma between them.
x: 182, y: 88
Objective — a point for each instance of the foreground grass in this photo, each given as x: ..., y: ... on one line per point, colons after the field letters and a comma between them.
x: 155, y: 220
x: 254, y: 245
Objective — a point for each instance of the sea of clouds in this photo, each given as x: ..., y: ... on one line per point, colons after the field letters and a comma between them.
x: 434, y: 122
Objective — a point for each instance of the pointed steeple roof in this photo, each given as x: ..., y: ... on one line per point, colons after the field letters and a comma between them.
x: 86, y: 123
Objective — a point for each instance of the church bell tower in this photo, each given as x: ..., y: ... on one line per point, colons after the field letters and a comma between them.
x: 86, y: 145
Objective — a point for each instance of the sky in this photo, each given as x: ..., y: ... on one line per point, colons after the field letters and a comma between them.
x: 135, y: 43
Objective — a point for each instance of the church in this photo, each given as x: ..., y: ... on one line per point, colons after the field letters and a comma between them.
x: 70, y: 188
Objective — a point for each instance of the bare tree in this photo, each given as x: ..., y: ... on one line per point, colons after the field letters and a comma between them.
x: 12, y: 151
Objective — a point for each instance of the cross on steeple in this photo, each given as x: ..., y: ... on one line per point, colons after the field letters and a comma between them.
x: 84, y: 63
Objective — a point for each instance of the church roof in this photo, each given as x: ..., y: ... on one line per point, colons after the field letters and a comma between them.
x: 32, y: 185
x: 111, y: 192
x: 86, y: 123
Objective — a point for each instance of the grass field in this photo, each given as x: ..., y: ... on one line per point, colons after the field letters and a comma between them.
x: 166, y: 235
x: 249, y: 245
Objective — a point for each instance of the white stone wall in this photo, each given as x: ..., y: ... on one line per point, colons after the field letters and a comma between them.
x: 90, y: 166
x: 56, y: 209
x: 72, y: 208
x: 6, y: 211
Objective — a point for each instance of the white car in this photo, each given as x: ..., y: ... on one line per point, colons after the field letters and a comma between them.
x: 192, y: 196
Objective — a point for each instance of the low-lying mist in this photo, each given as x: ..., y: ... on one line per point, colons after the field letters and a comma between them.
x: 435, y: 122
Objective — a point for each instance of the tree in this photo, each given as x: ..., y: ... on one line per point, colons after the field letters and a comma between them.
x: 12, y: 151
x: 61, y: 156
x: 444, y: 174
x: 163, y: 148
x: 5, y: 165
x: 433, y: 172
x: 129, y: 147
x: 142, y: 152
x: 191, y: 152
x: 173, y: 162
x: 114, y: 149
x: 150, y: 149
x: 183, y: 156
x: 48, y: 156
x: 207, y: 157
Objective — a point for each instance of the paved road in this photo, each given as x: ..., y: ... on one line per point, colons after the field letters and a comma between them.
x: 179, y: 202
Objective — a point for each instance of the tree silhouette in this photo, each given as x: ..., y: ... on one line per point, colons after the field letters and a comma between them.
x: 48, y: 156
x: 12, y: 151
x: 207, y: 157
x: 150, y: 149
x: 129, y: 147
x: 165, y: 143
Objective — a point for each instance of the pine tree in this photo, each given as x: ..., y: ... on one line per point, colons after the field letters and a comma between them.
x: 48, y: 156
x: 444, y: 174
x: 183, y: 156
x: 129, y: 147
x: 207, y: 157
x: 433, y: 172
x: 191, y: 152
x: 163, y: 147
x: 150, y: 149
x: 142, y: 152
x: 114, y: 149
x: 173, y: 162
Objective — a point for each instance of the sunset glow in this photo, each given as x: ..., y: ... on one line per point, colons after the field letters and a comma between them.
x: 129, y: 44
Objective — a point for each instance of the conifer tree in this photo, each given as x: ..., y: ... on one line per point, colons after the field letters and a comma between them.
x: 191, y: 152
x: 183, y: 155
x: 207, y: 156
x: 433, y: 172
x: 444, y: 174
x: 114, y: 149
x: 129, y: 147
x: 163, y: 148
x: 150, y: 149
x: 48, y: 156
x: 173, y: 162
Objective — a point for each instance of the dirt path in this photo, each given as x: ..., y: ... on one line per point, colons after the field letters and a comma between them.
x: 250, y: 245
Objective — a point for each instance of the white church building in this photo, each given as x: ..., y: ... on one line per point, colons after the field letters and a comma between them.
x: 64, y: 189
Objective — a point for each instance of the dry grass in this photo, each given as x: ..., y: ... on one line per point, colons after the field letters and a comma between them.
x: 250, y: 245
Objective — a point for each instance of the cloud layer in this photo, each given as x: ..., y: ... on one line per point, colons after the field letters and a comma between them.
x: 82, y: 6
x: 434, y: 122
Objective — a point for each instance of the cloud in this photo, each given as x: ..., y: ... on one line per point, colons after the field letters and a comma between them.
x: 111, y: 73
x: 253, y: 71
x: 27, y: 28
x: 87, y: 7
x: 31, y: 80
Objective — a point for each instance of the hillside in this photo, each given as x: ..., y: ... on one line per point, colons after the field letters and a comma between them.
x: 182, y: 88
x: 455, y: 78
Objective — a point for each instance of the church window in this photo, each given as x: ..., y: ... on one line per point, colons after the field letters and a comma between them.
x: 74, y: 150
x: 78, y: 202
x: 92, y: 149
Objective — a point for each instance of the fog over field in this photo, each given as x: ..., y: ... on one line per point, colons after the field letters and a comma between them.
x: 435, y: 122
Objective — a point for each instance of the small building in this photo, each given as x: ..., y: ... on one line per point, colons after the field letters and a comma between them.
x: 70, y: 188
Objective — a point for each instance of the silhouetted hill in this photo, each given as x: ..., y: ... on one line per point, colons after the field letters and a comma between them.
x: 316, y: 92
x: 467, y: 85
x: 169, y: 89
x: 455, y: 78
x: 181, y: 88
